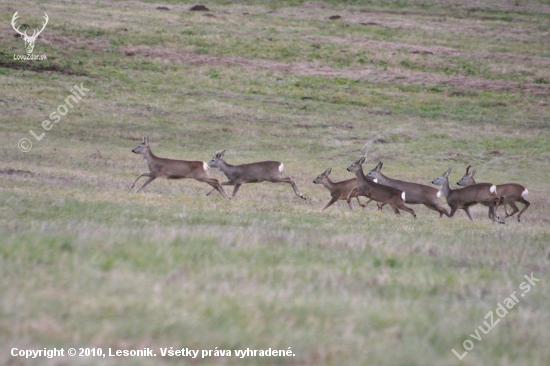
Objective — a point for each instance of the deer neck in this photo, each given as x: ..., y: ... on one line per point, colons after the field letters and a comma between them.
x: 328, y: 184
x: 360, y: 175
x: 224, y: 167
x: 149, y: 157
x: 382, y: 179
x: 446, y: 188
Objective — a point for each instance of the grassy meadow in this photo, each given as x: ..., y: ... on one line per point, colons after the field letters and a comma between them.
x: 421, y: 85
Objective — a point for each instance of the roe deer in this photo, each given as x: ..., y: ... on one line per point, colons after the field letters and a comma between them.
x: 339, y: 190
x: 484, y: 193
x: 270, y: 171
x: 512, y: 192
x: 174, y: 169
x: 378, y: 192
x: 415, y: 193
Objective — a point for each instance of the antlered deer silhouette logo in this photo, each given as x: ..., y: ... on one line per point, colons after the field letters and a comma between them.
x: 29, y: 40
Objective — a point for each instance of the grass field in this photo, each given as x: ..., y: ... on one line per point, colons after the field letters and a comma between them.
x: 421, y: 85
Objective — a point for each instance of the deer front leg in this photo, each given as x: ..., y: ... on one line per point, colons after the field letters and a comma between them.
x: 147, y: 182
x: 148, y: 174
x: 332, y: 202
x: 351, y: 193
x: 237, y: 186
x: 359, y: 202
x: 467, y: 210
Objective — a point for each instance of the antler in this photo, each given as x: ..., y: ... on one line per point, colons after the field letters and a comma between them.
x: 13, y: 21
x: 468, y: 169
x: 43, y: 26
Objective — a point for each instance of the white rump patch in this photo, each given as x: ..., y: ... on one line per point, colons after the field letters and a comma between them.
x: 281, y: 168
x: 375, y: 180
x: 403, y: 196
x: 205, y: 166
x: 524, y: 193
x: 493, y: 189
x: 438, y: 194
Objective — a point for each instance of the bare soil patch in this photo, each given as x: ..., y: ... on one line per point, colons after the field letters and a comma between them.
x: 310, y: 69
x: 199, y: 8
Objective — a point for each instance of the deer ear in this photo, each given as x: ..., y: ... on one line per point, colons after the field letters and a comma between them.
x: 327, y: 172
x: 147, y: 141
x: 472, y: 173
x: 222, y: 153
x: 362, y: 160
x: 379, y: 167
x: 143, y: 140
x: 447, y: 173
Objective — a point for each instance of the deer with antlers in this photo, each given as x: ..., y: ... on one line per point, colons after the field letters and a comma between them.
x: 29, y: 40
x: 510, y: 193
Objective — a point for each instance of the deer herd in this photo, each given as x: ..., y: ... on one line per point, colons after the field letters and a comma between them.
x: 375, y: 186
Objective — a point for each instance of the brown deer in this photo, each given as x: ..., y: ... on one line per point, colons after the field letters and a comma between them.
x: 270, y: 171
x: 174, y: 169
x: 512, y: 193
x: 415, y: 193
x: 339, y: 190
x: 484, y: 193
x: 378, y: 192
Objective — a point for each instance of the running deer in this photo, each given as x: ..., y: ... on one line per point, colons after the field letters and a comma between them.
x: 339, y: 190
x: 174, y: 169
x: 464, y: 198
x: 512, y: 192
x: 416, y: 193
x: 378, y: 192
x: 270, y: 171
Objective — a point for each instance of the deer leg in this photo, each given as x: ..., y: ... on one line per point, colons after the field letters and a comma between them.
x: 453, y: 211
x: 467, y: 210
x: 354, y: 191
x: 441, y: 211
x: 228, y: 183
x: 394, y: 208
x: 214, y: 183
x: 148, y: 174
x: 237, y: 186
x: 526, y: 203
x: 331, y: 202
x: 492, y: 213
x: 359, y: 202
x: 504, y: 202
x: 291, y: 182
x: 146, y: 182
x: 408, y: 209
x: 515, y: 208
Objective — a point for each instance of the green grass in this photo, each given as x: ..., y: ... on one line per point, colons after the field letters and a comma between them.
x: 85, y: 262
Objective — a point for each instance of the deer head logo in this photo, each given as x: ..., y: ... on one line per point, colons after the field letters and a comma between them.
x: 29, y: 40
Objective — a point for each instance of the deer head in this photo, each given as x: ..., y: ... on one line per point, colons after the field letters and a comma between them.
x: 29, y: 40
